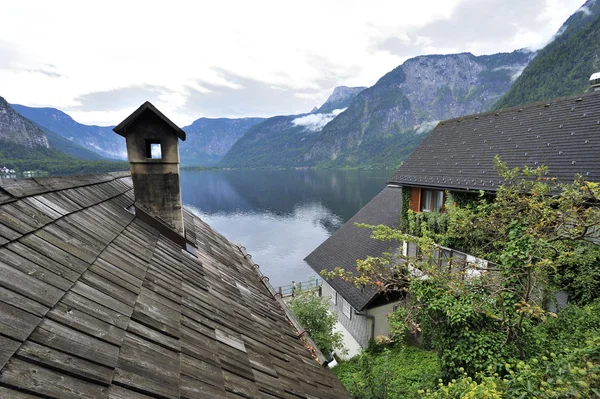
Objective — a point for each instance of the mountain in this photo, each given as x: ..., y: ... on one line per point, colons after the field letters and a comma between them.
x: 275, y: 142
x: 17, y: 130
x: 25, y: 145
x: 386, y: 121
x: 69, y: 147
x: 209, y: 139
x: 563, y: 66
x: 282, y: 141
x: 341, y: 97
x: 100, y: 139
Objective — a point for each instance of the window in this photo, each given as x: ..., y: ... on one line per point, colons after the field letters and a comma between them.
x: 333, y: 297
x: 153, y: 149
x: 432, y: 200
x: 346, y: 309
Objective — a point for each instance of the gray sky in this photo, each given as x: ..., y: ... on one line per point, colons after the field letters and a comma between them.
x: 99, y: 60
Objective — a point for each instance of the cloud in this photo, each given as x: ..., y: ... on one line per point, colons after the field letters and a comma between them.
x: 583, y: 9
x: 49, y: 73
x: 425, y: 127
x: 478, y: 26
x: 8, y: 55
x: 12, y: 59
x: 105, y: 152
x: 244, y: 96
x: 260, y: 60
x: 316, y: 122
x: 117, y: 99
x: 155, y: 151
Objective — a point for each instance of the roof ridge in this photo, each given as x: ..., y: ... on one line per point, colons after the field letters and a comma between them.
x: 520, y: 107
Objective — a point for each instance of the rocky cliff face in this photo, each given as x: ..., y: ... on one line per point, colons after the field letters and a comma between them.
x: 100, y: 139
x: 411, y: 99
x: 209, y: 139
x: 18, y: 130
x: 341, y: 98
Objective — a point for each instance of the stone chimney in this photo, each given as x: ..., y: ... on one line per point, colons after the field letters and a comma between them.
x: 153, y: 152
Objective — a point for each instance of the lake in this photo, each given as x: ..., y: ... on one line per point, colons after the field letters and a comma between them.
x: 280, y: 216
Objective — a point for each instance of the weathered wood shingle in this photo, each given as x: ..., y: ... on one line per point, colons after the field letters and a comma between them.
x: 95, y: 303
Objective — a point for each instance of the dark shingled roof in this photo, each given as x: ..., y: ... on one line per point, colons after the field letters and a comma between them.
x: 350, y: 243
x: 563, y: 134
x: 94, y: 303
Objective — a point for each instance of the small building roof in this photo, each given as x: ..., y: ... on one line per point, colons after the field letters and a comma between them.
x: 350, y: 243
x: 121, y: 128
x: 95, y: 303
x: 563, y: 134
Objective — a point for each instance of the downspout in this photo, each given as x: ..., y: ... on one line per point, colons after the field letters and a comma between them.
x: 372, y: 318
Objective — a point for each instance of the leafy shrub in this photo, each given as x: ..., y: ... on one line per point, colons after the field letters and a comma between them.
x: 313, y: 314
x: 565, y: 374
x: 394, y: 372
x: 466, y: 387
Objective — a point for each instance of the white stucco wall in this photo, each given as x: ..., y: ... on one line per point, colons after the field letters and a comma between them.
x: 351, y: 345
x: 380, y: 313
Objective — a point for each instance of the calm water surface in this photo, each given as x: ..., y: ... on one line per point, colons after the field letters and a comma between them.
x: 280, y: 216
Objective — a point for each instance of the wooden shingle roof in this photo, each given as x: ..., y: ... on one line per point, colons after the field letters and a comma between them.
x: 350, y: 243
x: 563, y: 134
x: 94, y: 303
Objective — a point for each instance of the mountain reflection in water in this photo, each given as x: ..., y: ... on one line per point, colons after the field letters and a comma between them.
x: 280, y: 216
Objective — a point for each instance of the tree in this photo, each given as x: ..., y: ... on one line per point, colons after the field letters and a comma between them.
x: 313, y: 314
x: 480, y: 317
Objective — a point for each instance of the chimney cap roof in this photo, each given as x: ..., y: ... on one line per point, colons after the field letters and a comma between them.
x: 121, y: 128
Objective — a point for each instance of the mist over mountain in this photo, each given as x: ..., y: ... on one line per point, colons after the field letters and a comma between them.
x: 282, y: 141
x: 563, y: 67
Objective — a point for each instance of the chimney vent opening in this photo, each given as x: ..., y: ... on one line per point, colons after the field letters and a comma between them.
x: 153, y: 149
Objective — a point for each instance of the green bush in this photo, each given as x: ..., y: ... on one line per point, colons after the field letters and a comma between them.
x: 564, y: 374
x: 394, y: 372
x: 313, y: 314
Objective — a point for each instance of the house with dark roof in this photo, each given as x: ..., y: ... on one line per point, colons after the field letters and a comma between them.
x: 110, y: 288
x: 456, y: 157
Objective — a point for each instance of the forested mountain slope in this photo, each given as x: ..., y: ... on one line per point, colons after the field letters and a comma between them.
x: 564, y: 66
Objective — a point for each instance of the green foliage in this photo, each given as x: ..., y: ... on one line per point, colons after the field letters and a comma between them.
x: 562, y: 374
x: 579, y: 274
x: 465, y: 387
x: 391, y: 372
x: 55, y: 162
x: 574, y: 326
x: 405, y: 208
x: 481, y: 316
x: 432, y: 224
x: 313, y: 314
x: 378, y: 153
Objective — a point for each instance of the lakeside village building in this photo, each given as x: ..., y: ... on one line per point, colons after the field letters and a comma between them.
x: 457, y: 156
x: 111, y: 289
